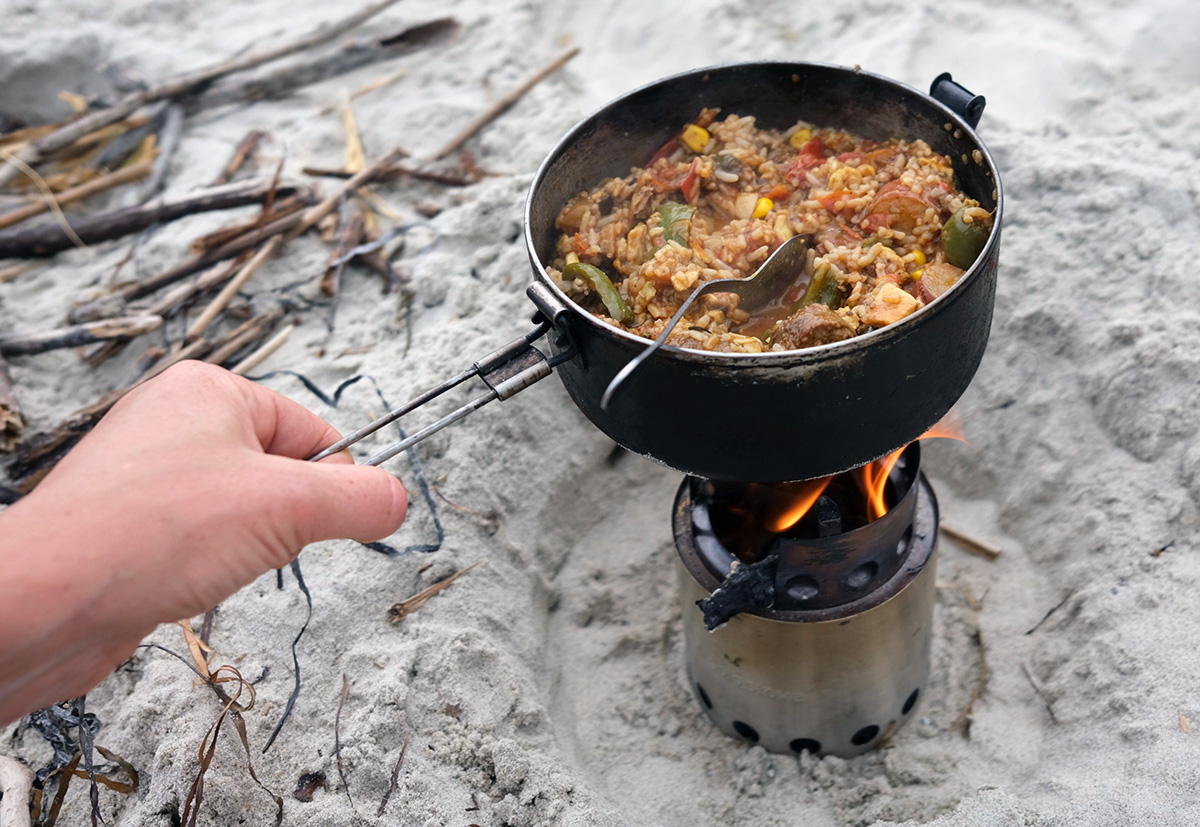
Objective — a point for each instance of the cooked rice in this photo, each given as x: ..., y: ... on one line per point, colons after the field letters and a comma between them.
x: 875, y: 209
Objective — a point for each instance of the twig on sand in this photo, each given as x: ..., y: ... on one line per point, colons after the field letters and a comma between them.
x: 48, y: 239
x: 260, y: 355
x: 395, y: 777
x: 11, y: 424
x: 16, y: 782
x: 103, y: 182
x: 1040, y: 693
x: 1051, y: 610
x: 963, y: 722
x: 245, y: 148
x: 38, y: 149
x: 337, y: 740
x: 81, y: 334
x: 232, y: 286
x: 974, y: 545
x: 246, y: 334
x: 504, y: 104
x: 409, y: 605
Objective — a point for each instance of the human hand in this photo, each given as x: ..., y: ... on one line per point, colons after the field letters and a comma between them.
x: 192, y: 486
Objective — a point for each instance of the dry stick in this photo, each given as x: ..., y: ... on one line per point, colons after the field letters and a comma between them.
x: 68, y: 134
x: 286, y: 206
x: 247, y: 333
x: 244, y: 150
x: 504, y: 104
x: 168, y: 141
x: 392, y: 173
x: 11, y: 423
x: 1040, y: 693
x: 352, y: 235
x: 409, y: 605
x: 103, y: 182
x: 284, y: 81
x: 1051, y: 611
x: 14, y: 272
x: 259, y: 356
x: 232, y: 287
x: 16, y: 782
x: 337, y: 740
x: 47, y: 239
x: 974, y: 545
x: 395, y: 777
x: 27, y: 344
x: 373, y: 86
x: 315, y: 213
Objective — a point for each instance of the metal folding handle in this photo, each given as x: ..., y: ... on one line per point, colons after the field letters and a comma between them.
x: 505, y: 372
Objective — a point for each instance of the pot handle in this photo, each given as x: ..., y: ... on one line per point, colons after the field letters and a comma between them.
x: 962, y: 102
x: 506, y: 372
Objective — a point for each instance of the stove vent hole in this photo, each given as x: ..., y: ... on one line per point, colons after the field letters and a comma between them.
x: 863, y: 736
x: 703, y: 697
x: 802, y: 588
x: 806, y: 745
x: 911, y: 702
x: 748, y: 732
x: 861, y: 576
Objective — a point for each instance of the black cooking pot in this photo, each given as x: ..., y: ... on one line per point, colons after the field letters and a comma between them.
x: 775, y: 416
x: 750, y: 417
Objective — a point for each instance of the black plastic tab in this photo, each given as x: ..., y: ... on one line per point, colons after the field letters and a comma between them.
x: 966, y: 105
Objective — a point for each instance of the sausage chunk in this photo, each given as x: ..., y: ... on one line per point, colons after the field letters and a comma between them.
x: 812, y: 325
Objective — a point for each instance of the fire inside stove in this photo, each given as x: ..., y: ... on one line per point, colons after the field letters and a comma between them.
x: 815, y: 603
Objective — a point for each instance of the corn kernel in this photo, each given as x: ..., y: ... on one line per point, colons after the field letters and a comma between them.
x: 918, y: 258
x: 763, y: 207
x: 865, y: 169
x: 696, y: 137
x: 916, y: 276
x: 800, y: 137
x: 572, y: 258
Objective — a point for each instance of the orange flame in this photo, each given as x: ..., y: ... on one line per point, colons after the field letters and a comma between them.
x: 803, y: 495
x: 873, y: 476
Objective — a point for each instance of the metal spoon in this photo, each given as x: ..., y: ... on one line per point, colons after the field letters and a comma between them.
x: 766, y: 284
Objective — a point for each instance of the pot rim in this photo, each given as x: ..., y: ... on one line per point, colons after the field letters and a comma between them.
x: 817, y: 353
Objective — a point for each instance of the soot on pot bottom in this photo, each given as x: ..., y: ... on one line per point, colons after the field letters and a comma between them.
x: 819, y: 639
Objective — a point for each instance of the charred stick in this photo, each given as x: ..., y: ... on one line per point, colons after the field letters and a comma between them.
x: 11, y: 423
x: 232, y: 286
x: 112, y: 179
x: 282, y: 82
x: 244, y: 150
x: 48, y: 239
x: 504, y: 104
x: 34, y: 152
x: 76, y: 335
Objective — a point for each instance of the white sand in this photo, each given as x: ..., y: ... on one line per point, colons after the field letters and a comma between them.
x: 563, y: 651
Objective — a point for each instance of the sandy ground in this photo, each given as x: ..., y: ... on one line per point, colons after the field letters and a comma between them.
x: 546, y: 687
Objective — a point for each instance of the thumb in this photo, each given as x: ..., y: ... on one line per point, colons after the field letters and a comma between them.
x: 332, y: 500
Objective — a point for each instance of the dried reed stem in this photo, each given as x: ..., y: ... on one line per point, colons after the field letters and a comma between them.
x: 259, y: 356
x: 972, y: 544
x: 243, y: 151
x: 81, y: 334
x: 232, y: 286
x: 504, y: 104
x: 99, y: 184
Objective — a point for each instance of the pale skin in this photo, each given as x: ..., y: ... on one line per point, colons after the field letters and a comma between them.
x: 190, y: 488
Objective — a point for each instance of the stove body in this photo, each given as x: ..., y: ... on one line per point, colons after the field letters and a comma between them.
x: 839, y: 662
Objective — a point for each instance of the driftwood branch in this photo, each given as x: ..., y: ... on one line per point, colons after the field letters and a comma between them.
x: 284, y: 81
x: 103, y: 182
x: 77, y: 335
x: 11, y: 423
x: 504, y: 104
x: 16, y: 782
x: 241, y: 153
x: 48, y: 239
x: 285, y: 206
x: 37, y: 150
